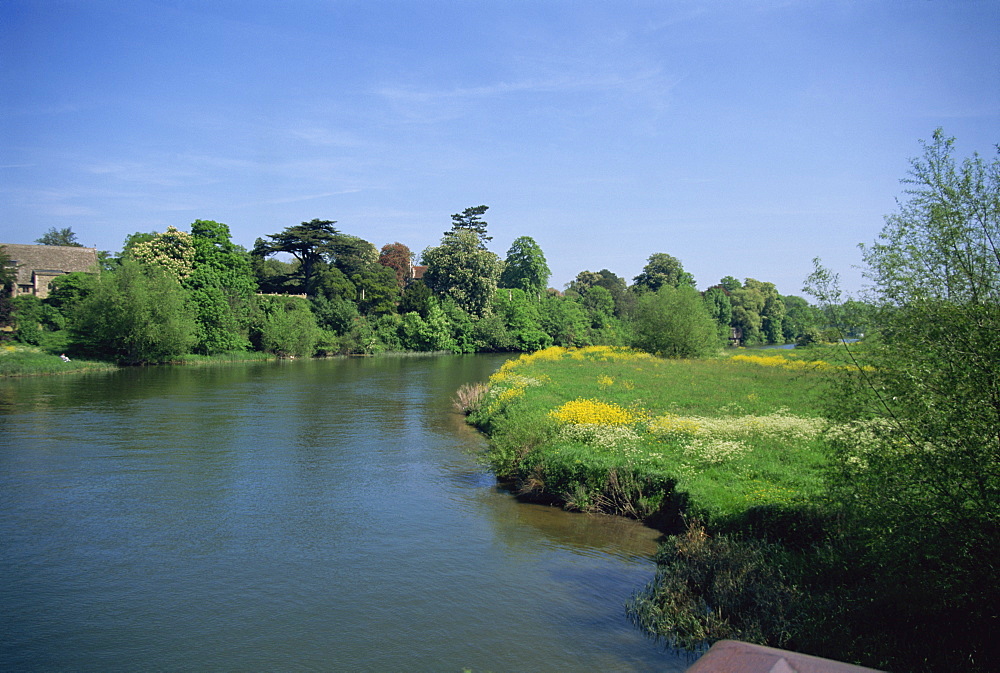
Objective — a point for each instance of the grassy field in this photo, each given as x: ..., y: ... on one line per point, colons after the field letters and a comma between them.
x: 21, y: 360
x: 615, y: 430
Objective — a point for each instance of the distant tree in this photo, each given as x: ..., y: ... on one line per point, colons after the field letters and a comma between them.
x: 663, y: 269
x: 525, y: 267
x: 720, y: 308
x: 799, y: 318
x: 377, y: 291
x: 730, y: 283
x: 675, y: 323
x: 415, y: 299
x: 522, y: 320
x: 565, y: 320
x: 624, y: 300
x: 311, y: 243
x: 471, y: 219
x: 461, y: 268
x: 353, y: 255
x: 59, y: 237
x: 399, y: 258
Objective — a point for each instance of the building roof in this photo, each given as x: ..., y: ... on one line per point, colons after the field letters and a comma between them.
x: 48, y: 258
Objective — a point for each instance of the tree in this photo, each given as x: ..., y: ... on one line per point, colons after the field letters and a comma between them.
x: 173, y: 251
x: 471, y: 219
x: 399, y: 258
x: 663, y: 269
x: 136, y: 314
x: 311, y: 243
x: 919, y: 470
x: 720, y: 308
x: 353, y: 255
x: 222, y: 289
x: 460, y: 268
x: 285, y: 326
x: 59, y: 237
x: 525, y: 267
x: 675, y: 323
x: 730, y: 283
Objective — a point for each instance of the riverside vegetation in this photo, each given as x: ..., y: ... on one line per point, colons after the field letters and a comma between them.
x: 843, y: 503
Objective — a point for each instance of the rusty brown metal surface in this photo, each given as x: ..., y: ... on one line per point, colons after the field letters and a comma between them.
x: 733, y: 656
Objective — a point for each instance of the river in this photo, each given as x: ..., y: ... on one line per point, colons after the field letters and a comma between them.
x: 322, y: 515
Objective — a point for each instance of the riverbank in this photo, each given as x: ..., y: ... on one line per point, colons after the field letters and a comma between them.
x: 20, y: 360
x: 602, y: 429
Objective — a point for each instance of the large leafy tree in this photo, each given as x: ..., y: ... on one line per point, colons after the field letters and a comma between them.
x: 525, y: 267
x: 136, y: 314
x: 462, y: 269
x: 311, y: 243
x: 675, y: 322
x: 663, y: 269
x: 59, y: 237
x: 8, y: 277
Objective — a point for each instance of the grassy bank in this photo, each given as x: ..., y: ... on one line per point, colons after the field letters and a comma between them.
x: 21, y: 360
x: 614, y: 430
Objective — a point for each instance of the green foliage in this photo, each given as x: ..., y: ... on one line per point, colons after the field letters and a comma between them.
x: 461, y: 269
x: 565, y: 321
x: 336, y: 315
x: 137, y: 314
x: 67, y: 291
x: 284, y: 326
x: 415, y: 299
x: 433, y: 333
x: 29, y: 314
x: 710, y: 588
x: 915, y: 463
x: 675, y: 322
x: 312, y: 243
x: 353, y: 255
x: 471, y: 220
x: 222, y: 289
x: 720, y: 309
x: 663, y: 269
x: 59, y: 237
x: 377, y: 291
x: 525, y: 267
x: 758, y: 312
x: 519, y: 313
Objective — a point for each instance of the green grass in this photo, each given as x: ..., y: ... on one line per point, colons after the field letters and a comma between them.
x: 222, y: 358
x: 21, y: 360
x: 600, y: 429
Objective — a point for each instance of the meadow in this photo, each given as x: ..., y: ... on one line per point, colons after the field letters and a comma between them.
x: 21, y: 360
x: 621, y: 431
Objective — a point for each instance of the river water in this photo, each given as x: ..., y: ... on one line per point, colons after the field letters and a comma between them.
x: 293, y: 516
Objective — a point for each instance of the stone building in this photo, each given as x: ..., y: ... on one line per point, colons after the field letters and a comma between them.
x: 37, y: 265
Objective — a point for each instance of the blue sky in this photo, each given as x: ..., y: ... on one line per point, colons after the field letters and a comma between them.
x: 744, y: 138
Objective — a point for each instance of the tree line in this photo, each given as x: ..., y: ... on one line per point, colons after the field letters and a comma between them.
x: 312, y: 289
